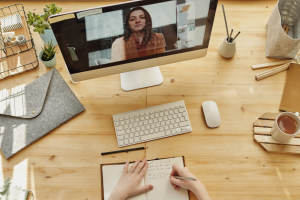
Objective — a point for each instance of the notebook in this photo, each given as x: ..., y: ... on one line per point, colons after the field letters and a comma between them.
x: 158, y: 175
x: 291, y: 96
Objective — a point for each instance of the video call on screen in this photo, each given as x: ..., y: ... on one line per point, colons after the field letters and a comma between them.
x: 134, y: 32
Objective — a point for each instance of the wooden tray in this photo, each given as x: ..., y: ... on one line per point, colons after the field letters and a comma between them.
x: 262, y: 135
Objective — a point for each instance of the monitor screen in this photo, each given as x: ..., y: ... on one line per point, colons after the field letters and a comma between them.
x: 132, y: 31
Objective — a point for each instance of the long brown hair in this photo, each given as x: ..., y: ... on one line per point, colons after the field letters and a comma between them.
x: 147, y: 30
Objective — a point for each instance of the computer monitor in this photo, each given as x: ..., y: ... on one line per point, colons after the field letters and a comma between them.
x: 132, y: 38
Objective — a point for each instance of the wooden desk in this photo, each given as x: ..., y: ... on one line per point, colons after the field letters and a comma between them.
x: 65, y: 163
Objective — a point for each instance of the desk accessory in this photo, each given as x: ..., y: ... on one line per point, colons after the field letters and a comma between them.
x: 227, y: 49
x: 151, y: 123
x: 185, y: 178
x: 262, y: 136
x: 32, y: 113
x: 19, y: 57
x: 124, y: 150
x: 158, y: 175
x: 225, y: 23
x: 47, y: 55
x: 211, y: 114
x: 284, y: 44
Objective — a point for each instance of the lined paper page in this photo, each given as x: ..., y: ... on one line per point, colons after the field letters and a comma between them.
x: 158, y: 175
x: 111, y: 176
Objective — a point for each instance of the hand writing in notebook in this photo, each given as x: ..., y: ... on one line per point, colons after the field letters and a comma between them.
x: 129, y: 183
x: 195, y: 186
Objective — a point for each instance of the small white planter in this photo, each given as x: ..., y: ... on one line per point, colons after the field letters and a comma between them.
x: 48, y: 36
x: 50, y: 63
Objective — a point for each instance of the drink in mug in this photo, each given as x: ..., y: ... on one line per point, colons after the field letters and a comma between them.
x: 286, y: 127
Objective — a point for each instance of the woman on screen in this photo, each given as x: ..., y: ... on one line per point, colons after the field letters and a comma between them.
x: 139, y: 39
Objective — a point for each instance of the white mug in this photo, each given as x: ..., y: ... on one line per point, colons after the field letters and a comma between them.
x: 281, y: 136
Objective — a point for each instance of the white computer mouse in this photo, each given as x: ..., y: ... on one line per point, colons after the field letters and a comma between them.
x: 211, y: 113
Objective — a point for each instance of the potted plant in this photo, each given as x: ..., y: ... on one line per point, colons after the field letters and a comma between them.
x: 47, y: 55
x: 41, y: 23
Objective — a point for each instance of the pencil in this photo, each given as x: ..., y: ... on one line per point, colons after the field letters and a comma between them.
x: 225, y: 23
x: 230, y: 35
x: 125, y: 150
x: 185, y: 178
x: 236, y: 36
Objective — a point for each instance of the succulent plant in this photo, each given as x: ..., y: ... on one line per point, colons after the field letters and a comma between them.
x: 40, y: 23
x: 49, y: 51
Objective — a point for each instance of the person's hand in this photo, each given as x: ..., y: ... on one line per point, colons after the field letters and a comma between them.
x: 195, y: 186
x: 129, y: 183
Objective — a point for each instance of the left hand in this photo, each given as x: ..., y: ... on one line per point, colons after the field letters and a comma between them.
x: 129, y: 183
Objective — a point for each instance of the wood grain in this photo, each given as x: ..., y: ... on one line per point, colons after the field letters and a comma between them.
x: 269, y: 116
x: 264, y: 123
x: 270, y: 140
x: 65, y: 163
x: 275, y: 148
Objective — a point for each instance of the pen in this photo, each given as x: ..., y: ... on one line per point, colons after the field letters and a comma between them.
x: 225, y: 23
x: 229, y: 40
x: 185, y: 178
x: 125, y: 150
x: 236, y: 36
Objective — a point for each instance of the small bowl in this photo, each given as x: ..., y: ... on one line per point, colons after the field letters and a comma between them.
x: 21, y: 39
x: 13, y: 40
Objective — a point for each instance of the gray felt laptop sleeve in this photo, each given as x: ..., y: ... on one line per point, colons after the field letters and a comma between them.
x: 40, y: 107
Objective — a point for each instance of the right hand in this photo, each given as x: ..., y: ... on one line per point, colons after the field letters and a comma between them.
x: 195, y: 186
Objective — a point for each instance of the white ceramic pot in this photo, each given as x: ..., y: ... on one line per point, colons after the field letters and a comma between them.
x: 50, y: 63
x: 48, y: 36
x: 227, y: 49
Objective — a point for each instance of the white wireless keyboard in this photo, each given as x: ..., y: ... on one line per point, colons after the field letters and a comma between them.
x: 151, y: 123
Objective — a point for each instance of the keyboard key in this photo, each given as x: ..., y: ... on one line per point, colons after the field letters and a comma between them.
x: 126, y: 141
x: 168, y: 132
x: 122, y: 123
x: 130, y: 126
x: 182, y: 119
x: 161, y: 129
x: 121, y: 143
x: 147, y: 117
x: 137, y: 128
x: 168, y: 122
x: 141, y: 123
x: 166, y: 113
x: 174, y: 116
x: 156, y: 130
x: 127, y: 121
x: 178, y: 130
x: 183, y: 129
x: 136, y: 119
x: 122, y: 118
x: 132, y: 130
x: 121, y: 137
x: 135, y: 125
x: 179, y: 114
x: 188, y: 128
x: 121, y: 132
x: 176, y: 111
x: 151, y: 131
x: 117, y: 123
x: 150, y: 121
x: 147, y: 127
x: 126, y: 136
x: 136, y: 134
x: 116, y: 120
x: 131, y: 135
x: 172, y: 121
x: 146, y: 132
x: 141, y: 132
x: 152, y: 136
x: 160, y: 119
x: 181, y: 110
x: 171, y: 112
x: 119, y: 128
x: 184, y: 114
x: 143, y: 128
x: 157, y: 125
x: 131, y: 120
x: 181, y: 106
x: 166, y: 128
x: 178, y: 120
x: 142, y: 118
x: 127, y: 117
x: 171, y: 126
x: 152, y: 116
x: 156, y: 115
x: 155, y: 120
x: 182, y: 124
x: 125, y: 127
x: 165, y: 118
x: 128, y: 131
x: 130, y: 140
x: 170, y: 117
x: 186, y: 118
x: 146, y: 122
x: 176, y: 125
x: 161, y: 114
x: 174, y: 131
x: 162, y: 123
x: 137, y: 139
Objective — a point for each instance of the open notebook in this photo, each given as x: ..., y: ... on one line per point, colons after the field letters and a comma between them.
x: 158, y: 175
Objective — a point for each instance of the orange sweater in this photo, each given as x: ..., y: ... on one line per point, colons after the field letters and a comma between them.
x: 122, y: 50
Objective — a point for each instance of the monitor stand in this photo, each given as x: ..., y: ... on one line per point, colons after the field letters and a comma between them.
x: 141, y: 78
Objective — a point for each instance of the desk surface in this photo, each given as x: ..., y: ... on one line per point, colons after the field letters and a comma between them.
x: 65, y: 163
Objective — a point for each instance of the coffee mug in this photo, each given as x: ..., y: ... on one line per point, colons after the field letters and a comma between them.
x: 281, y: 136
